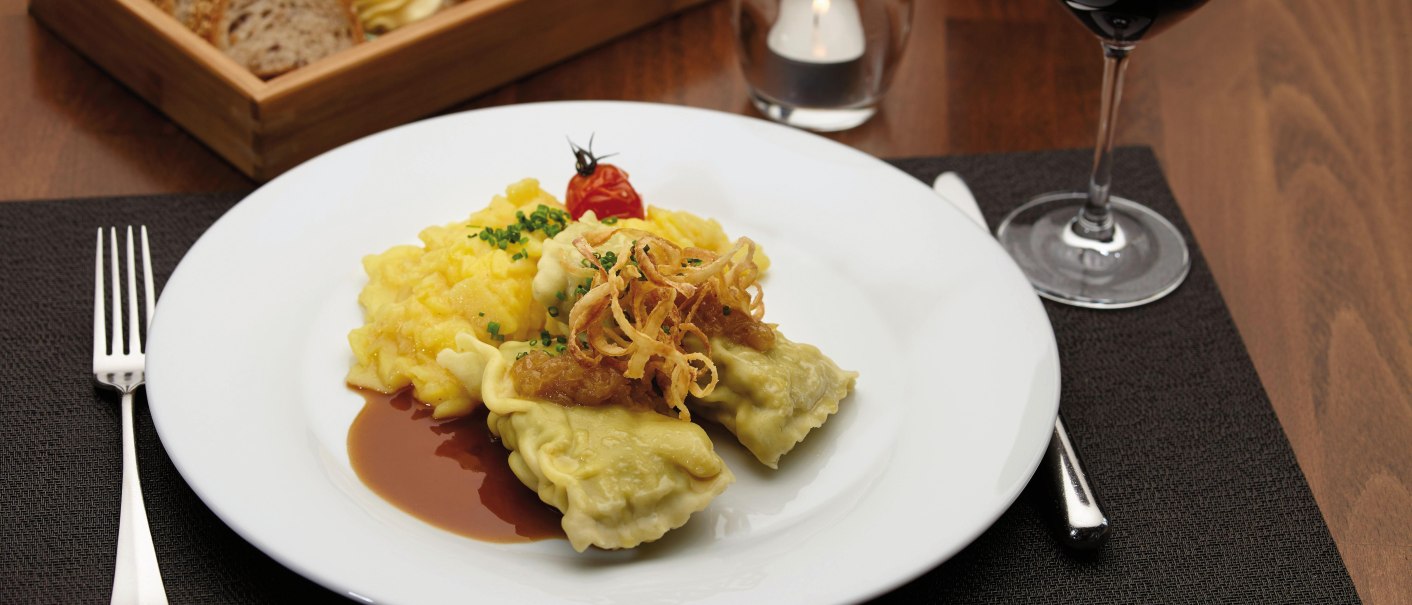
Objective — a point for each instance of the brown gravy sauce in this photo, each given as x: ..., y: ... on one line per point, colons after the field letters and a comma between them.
x: 451, y: 474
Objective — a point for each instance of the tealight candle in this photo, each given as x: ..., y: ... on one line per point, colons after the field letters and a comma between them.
x: 816, y: 54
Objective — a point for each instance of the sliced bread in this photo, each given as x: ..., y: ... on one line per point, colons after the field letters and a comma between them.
x: 197, y: 15
x: 271, y: 37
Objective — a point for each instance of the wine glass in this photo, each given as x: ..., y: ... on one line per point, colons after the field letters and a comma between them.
x: 1091, y: 248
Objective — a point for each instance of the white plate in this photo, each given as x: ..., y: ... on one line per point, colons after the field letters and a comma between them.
x: 959, y: 385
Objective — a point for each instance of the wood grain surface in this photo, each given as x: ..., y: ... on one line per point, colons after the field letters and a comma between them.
x: 1284, y: 126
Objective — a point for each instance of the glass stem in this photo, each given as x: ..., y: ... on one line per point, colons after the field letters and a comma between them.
x: 1095, y: 222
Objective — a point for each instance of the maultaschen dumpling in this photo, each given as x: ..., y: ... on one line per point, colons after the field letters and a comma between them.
x: 621, y: 475
x: 770, y: 400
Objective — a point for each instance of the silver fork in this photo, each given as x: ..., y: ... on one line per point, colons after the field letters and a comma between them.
x: 136, y: 577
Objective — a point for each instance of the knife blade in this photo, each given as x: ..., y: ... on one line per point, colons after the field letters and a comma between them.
x: 1082, y: 523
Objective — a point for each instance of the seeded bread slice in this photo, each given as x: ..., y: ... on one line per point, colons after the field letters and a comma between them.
x: 197, y: 15
x: 271, y: 37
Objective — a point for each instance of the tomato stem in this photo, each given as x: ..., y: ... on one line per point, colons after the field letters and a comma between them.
x: 585, y: 163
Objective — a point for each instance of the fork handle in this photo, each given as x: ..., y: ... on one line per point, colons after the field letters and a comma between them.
x: 136, y: 578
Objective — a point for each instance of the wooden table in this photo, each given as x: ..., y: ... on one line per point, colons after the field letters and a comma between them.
x: 1284, y: 127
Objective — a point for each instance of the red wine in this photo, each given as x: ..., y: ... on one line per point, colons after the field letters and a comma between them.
x: 1127, y: 21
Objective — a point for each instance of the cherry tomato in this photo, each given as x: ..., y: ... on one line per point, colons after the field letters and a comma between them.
x: 602, y: 188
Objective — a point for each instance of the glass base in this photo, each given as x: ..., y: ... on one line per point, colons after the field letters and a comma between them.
x: 810, y: 118
x: 1146, y: 259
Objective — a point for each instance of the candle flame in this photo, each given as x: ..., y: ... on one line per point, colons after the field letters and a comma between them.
x: 818, y: 48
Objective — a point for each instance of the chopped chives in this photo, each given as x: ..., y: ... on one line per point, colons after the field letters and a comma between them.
x: 548, y: 220
x: 608, y: 259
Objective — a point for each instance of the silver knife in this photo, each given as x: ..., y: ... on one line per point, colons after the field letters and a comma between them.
x: 1084, y: 526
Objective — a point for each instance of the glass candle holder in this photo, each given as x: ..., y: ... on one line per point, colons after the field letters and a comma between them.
x: 821, y: 65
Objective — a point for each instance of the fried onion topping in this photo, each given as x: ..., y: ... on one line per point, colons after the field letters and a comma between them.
x: 640, y: 308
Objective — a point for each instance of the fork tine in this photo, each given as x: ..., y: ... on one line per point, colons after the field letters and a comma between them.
x: 99, y: 308
x: 147, y: 279
x: 134, y: 331
x: 117, y: 341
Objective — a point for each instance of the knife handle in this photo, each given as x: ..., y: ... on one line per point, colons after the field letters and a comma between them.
x: 1083, y: 526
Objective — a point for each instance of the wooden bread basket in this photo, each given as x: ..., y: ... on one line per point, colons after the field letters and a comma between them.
x: 267, y: 127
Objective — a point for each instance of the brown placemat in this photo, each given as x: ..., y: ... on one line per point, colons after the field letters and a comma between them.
x: 1162, y: 400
